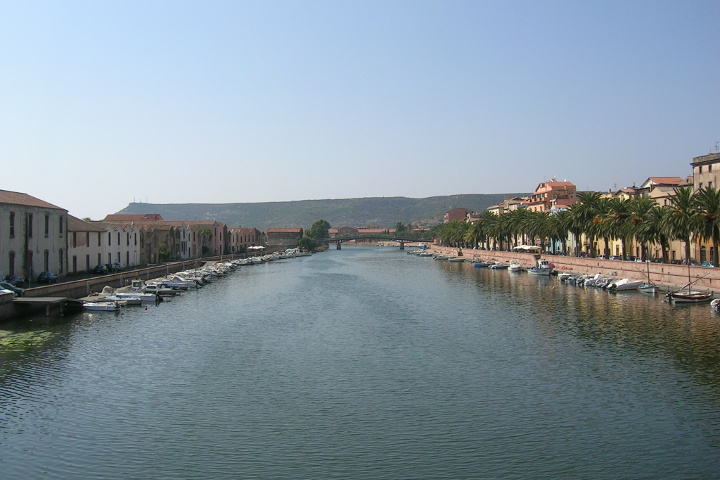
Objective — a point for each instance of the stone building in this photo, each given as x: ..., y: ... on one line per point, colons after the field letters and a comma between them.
x: 33, y: 236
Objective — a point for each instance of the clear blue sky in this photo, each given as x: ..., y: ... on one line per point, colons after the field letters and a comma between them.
x: 103, y: 103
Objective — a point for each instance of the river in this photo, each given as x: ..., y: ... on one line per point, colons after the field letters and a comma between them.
x: 367, y: 363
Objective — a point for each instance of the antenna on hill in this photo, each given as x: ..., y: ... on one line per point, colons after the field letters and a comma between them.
x: 716, y: 147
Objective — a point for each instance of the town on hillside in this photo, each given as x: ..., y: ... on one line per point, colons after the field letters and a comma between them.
x: 38, y: 237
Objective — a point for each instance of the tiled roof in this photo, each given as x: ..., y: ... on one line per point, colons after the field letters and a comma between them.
x: 17, y: 198
x: 667, y: 180
x: 74, y: 224
x: 284, y: 230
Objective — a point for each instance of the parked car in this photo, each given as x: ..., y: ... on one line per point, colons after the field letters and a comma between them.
x: 707, y: 264
x: 47, y: 277
x: 117, y: 266
x: 16, y: 280
x: 19, y: 292
x: 101, y: 269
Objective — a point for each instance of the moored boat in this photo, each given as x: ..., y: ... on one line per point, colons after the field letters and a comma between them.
x: 101, y: 306
x: 689, y: 297
x: 543, y: 268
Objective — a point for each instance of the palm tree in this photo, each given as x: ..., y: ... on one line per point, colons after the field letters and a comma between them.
x: 583, y: 214
x: 707, y: 205
x: 618, y: 216
x: 639, y: 210
x: 681, y: 217
x: 654, y: 229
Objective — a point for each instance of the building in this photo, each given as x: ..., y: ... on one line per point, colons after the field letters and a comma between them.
x: 660, y: 188
x: 552, y: 195
x: 457, y: 214
x: 33, y: 236
x: 282, y: 238
x: 240, y: 239
x: 705, y: 171
x: 86, y: 250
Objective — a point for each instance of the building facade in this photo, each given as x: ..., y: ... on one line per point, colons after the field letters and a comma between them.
x: 33, y: 236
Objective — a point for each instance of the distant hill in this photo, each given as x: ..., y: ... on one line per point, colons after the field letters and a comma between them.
x: 355, y: 212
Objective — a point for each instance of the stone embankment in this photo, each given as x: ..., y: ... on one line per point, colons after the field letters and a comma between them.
x: 673, y: 276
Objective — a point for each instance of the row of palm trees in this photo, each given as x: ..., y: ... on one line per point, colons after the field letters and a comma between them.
x: 688, y: 216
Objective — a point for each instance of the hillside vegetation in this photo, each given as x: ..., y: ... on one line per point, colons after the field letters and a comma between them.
x: 356, y: 212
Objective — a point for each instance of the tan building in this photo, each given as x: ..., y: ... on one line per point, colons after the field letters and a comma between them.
x: 660, y: 188
x: 86, y: 249
x: 33, y: 236
x: 705, y: 171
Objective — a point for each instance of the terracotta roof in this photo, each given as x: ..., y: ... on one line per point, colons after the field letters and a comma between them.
x: 667, y: 180
x: 74, y: 224
x: 17, y: 198
x: 284, y: 230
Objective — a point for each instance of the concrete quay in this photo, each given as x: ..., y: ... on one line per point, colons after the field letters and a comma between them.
x: 670, y: 275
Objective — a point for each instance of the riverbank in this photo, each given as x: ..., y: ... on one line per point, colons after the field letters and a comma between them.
x: 672, y: 276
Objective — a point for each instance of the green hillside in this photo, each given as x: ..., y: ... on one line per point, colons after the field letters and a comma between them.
x: 355, y: 212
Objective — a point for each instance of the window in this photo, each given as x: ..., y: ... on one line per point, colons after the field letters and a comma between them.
x: 30, y: 225
x: 74, y: 239
x: 61, y: 225
x: 99, y: 259
x: 118, y: 238
x: 12, y: 224
x: 110, y: 240
x: 87, y: 239
x: 127, y: 238
x: 99, y: 240
x: 47, y: 225
x: 700, y: 169
x: 61, y: 263
x: 709, y: 168
x: 11, y: 263
x: 709, y: 184
x: 46, y: 261
x: 135, y: 239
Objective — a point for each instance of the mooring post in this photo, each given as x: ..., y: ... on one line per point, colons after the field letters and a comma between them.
x: 402, y: 245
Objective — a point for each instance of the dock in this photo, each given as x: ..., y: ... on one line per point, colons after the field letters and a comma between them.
x: 47, y: 302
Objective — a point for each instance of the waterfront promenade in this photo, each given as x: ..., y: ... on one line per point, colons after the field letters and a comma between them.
x: 670, y: 275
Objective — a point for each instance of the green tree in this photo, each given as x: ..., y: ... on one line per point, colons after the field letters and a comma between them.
x: 680, y: 220
x: 400, y: 228
x: 307, y: 243
x: 163, y: 253
x: 707, y: 205
x: 319, y: 229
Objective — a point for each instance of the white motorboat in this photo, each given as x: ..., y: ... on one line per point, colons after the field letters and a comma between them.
x: 625, y: 284
x: 515, y: 267
x: 543, y: 268
x: 101, y: 306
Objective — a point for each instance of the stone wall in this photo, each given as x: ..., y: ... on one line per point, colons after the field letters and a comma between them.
x: 702, y: 278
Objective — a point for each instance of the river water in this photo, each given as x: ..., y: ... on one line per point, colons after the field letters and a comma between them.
x: 367, y: 363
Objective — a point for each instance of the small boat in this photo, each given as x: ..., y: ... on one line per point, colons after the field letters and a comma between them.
x: 624, y: 284
x: 715, y: 304
x: 101, y: 306
x: 456, y: 259
x: 515, y: 267
x: 689, y: 297
x: 647, y: 288
x: 543, y: 268
x: 499, y: 266
x: 481, y: 264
